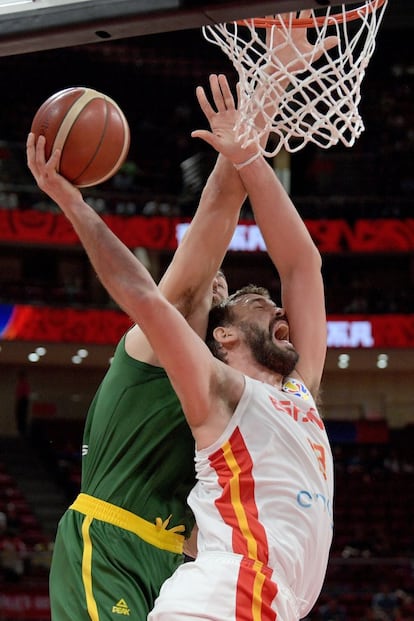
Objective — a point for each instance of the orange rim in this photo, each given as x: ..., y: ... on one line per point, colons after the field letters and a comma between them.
x: 338, y: 18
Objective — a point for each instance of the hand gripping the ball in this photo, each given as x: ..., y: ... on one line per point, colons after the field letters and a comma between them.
x: 45, y: 172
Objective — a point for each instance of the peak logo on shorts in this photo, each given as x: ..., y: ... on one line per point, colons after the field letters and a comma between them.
x: 121, y: 608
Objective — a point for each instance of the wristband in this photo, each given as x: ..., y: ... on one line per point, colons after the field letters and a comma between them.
x: 249, y: 161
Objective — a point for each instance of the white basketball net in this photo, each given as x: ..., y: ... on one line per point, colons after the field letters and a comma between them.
x: 316, y: 101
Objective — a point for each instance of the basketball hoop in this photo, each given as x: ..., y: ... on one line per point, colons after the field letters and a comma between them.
x: 298, y: 93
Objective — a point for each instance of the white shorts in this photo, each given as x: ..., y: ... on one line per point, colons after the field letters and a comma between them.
x: 224, y: 587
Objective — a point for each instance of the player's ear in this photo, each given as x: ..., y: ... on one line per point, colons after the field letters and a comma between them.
x: 224, y: 334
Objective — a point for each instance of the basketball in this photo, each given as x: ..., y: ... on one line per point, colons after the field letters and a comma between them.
x: 91, y: 131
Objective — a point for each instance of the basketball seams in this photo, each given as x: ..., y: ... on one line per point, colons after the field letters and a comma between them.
x: 99, y: 144
x: 71, y: 116
x: 125, y: 148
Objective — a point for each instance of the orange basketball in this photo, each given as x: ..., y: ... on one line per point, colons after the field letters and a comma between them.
x: 90, y: 129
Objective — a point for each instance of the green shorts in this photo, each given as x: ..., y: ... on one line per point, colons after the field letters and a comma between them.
x: 102, y: 571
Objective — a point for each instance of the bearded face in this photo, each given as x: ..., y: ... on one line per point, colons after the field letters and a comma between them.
x: 279, y: 358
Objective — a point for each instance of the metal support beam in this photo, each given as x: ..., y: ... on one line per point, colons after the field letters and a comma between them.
x: 34, y: 25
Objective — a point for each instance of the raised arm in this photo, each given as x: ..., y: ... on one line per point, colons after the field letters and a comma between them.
x: 291, y: 249
x: 189, y: 363
x: 202, y: 250
x: 288, y: 242
x: 187, y: 283
x: 298, y: 263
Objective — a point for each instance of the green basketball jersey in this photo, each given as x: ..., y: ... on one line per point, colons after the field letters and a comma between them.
x: 138, y: 451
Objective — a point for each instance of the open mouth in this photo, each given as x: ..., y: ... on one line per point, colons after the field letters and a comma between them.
x: 281, y: 332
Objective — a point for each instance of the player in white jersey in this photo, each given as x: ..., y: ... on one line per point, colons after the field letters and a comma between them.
x: 263, y: 501
x: 263, y: 505
x: 264, y: 495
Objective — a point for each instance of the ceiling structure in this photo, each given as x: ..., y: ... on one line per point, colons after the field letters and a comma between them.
x: 34, y: 25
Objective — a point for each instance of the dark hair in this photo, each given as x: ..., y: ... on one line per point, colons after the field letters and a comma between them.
x: 223, y: 315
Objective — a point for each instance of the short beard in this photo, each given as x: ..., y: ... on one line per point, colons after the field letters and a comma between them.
x: 267, y: 353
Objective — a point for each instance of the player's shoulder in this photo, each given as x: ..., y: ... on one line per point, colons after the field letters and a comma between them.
x: 137, y: 346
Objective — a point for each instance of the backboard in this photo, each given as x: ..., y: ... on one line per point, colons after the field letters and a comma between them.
x: 34, y: 25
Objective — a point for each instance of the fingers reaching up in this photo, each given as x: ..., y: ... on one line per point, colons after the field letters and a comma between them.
x: 222, y: 119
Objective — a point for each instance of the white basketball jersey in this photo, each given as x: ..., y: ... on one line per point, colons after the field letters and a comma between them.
x: 265, y: 488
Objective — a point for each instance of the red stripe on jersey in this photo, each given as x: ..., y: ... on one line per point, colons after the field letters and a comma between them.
x: 255, y: 592
x: 237, y: 504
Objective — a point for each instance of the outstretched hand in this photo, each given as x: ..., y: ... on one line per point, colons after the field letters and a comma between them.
x: 291, y: 56
x: 222, y: 136
x: 45, y: 172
